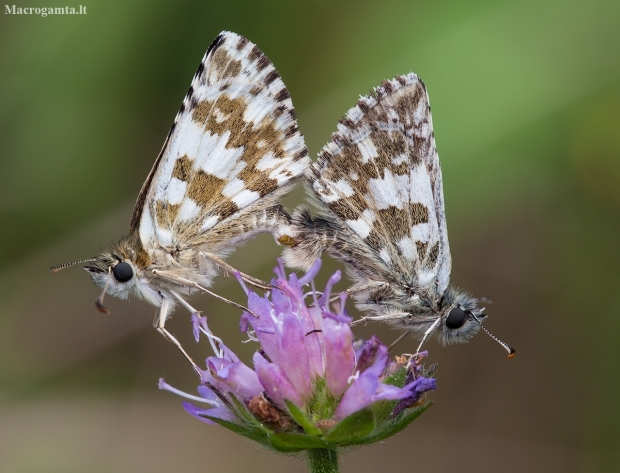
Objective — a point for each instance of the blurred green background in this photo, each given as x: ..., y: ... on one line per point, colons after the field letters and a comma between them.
x: 526, y: 108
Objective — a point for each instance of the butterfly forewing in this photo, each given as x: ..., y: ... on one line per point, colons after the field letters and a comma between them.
x: 234, y: 147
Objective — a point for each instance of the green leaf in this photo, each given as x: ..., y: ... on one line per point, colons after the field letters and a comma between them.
x: 301, y: 419
x: 395, y: 425
x: 397, y: 378
x: 382, y: 411
x: 285, y: 442
x: 353, y: 427
x: 258, y: 435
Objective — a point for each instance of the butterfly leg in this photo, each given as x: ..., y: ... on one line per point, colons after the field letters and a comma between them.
x: 427, y: 333
x: 361, y: 288
x: 377, y: 318
x: 397, y: 341
x: 186, y: 282
x: 159, y: 324
x: 246, y: 277
x: 184, y: 303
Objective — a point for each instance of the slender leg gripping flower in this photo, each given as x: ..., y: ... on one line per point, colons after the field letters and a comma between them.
x: 312, y: 387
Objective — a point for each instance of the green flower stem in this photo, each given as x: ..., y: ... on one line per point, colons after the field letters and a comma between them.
x: 321, y: 460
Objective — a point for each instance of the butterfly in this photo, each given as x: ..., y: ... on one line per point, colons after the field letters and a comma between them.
x: 233, y: 150
x: 378, y: 188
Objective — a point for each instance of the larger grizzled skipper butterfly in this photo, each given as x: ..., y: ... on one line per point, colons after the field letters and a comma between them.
x: 233, y: 150
x: 378, y: 188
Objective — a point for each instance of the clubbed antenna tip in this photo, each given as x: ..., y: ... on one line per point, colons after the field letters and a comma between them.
x: 511, y: 351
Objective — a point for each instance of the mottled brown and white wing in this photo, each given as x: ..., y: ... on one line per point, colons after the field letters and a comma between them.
x: 379, y: 184
x: 233, y: 149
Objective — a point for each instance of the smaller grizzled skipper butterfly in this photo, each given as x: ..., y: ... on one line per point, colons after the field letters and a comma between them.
x: 378, y: 187
x: 233, y: 150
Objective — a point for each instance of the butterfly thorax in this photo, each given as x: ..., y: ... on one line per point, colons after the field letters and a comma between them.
x: 401, y: 291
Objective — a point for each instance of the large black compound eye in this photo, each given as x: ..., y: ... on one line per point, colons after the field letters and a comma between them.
x: 122, y: 272
x: 456, y: 318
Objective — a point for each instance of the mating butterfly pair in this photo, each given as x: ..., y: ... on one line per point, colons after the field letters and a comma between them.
x: 235, y: 149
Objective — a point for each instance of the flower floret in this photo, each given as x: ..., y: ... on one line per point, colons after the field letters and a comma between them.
x: 309, y: 375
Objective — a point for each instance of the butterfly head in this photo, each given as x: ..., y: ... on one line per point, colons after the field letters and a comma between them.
x: 113, y: 273
x: 461, y: 319
x: 120, y: 274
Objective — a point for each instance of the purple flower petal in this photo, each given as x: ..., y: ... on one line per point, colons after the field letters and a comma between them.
x: 364, y: 391
x: 281, y: 303
x: 367, y: 388
x: 208, y: 394
x: 380, y: 362
x: 216, y: 409
x: 420, y: 386
x: 312, y: 325
x: 341, y: 317
x: 311, y: 274
x: 279, y: 270
x: 327, y: 293
x: 261, y: 307
x: 359, y: 395
x: 416, y: 389
x: 368, y: 354
x: 291, y: 288
x: 232, y: 377
x: 339, y: 356
x: 277, y: 386
x: 244, y: 325
x: 293, y: 356
x: 222, y: 413
x: 241, y: 282
x: 200, y: 326
x: 264, y: 325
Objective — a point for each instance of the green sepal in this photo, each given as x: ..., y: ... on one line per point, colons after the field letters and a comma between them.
x: 285, y: 442
x: 393, y: 426
x: 247, y: 425
x: 352, y: 428
x: 258, y: 435
x: 247, y: 417
x: 397, y: 378
x: 301, y: 419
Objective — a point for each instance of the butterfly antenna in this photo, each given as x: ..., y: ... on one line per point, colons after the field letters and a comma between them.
x: 60, y: 267
x: 99, y: 301
x: 508, y: 348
